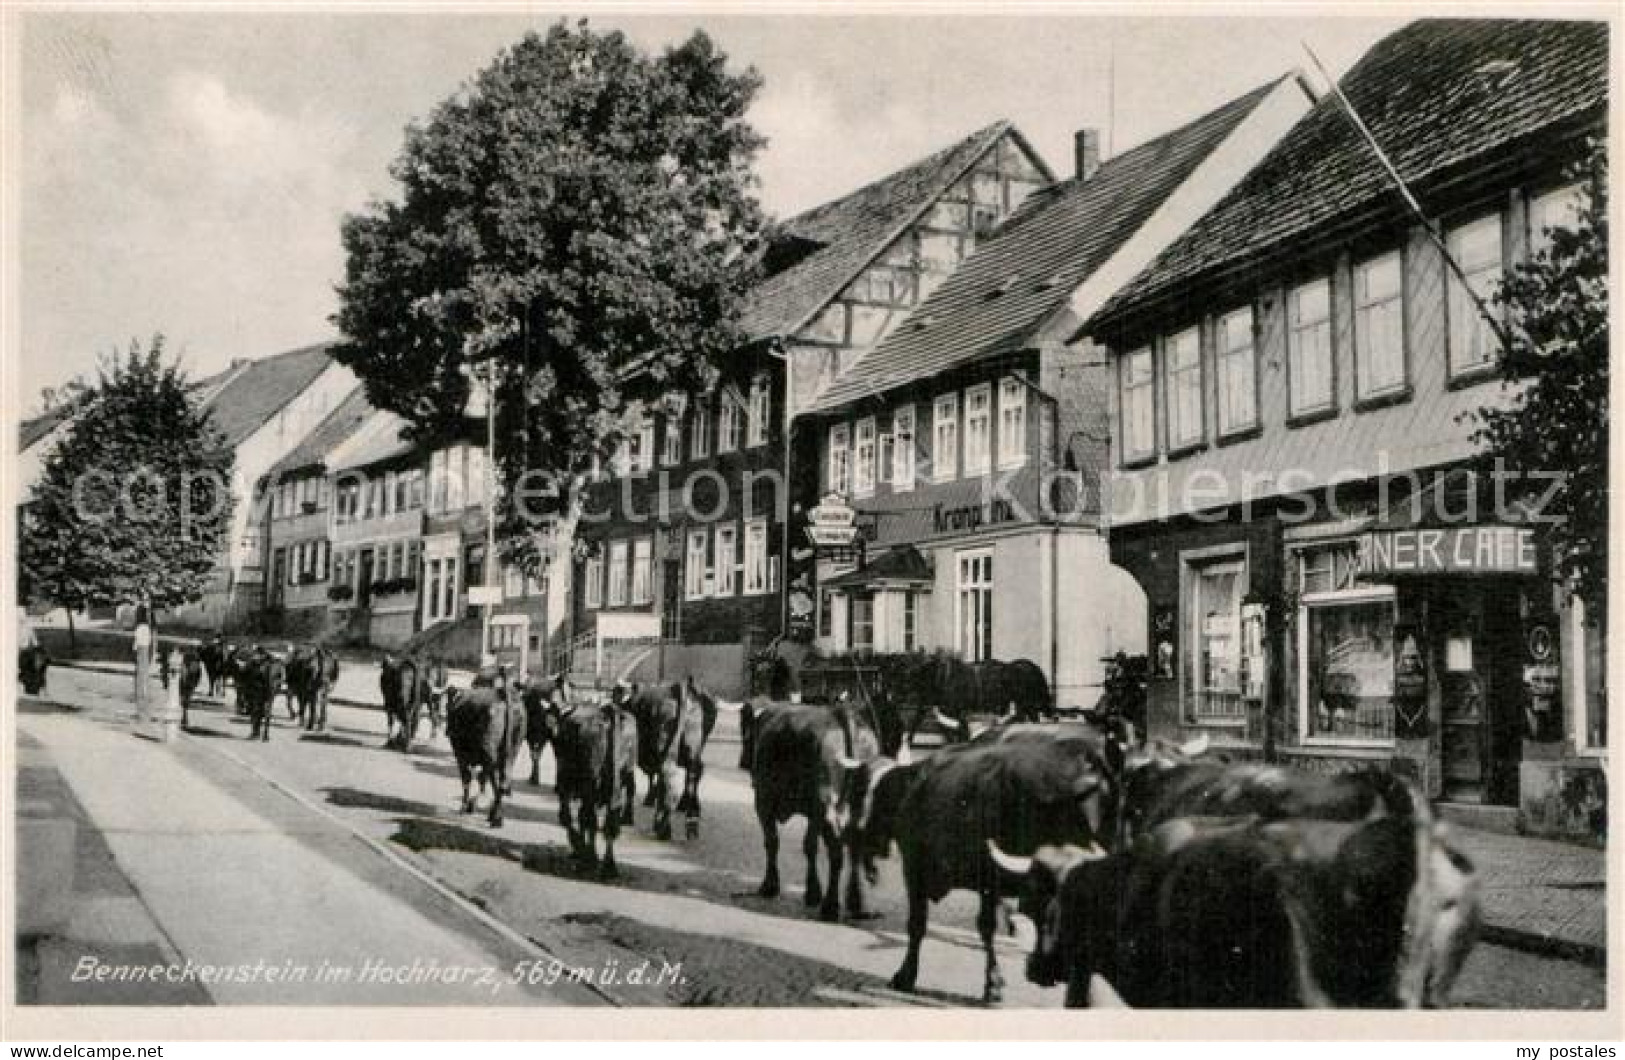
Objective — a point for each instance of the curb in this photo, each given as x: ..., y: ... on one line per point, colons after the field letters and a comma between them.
x: 1545, y: 945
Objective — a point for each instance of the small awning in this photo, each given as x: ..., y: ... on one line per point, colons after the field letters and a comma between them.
x: 901, y: 566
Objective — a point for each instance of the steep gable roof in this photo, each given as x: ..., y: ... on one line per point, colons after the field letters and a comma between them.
x: 1435, y: 94
x: 259, y: 389
x: 835, y: 241
x: 1003, y: 295
x: 313, y: 449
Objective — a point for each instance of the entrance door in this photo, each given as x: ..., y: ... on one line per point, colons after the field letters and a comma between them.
x: 1501, y: 669
x: 1481, y: 682
x: 363, y: 592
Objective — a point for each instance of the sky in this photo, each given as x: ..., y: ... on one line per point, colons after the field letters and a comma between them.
x: 187, y: 173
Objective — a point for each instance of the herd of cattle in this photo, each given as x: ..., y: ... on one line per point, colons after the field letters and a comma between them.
x: 1154, y: 876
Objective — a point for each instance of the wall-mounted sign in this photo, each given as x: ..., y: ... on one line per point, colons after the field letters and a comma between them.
x: 1458, y: 550
x: 1164, y: 624
x: 971, y: 516
x: 832, y: 523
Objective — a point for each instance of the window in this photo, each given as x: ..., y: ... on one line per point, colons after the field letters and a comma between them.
x: 672, y: 440
x: 397, y: 560
x: 1379, y: 327
x: 730, y: 429
x: 863, y: 470
x: 826, y: 614
x: 1237, y: 368
x: 1213, y: 636
x: 307, y: 494
x: 592, y: 574
x: 1476, y: 248
x: 978, y: 429
x: 617, y: 573
x: 456, y: 478
x: 437, y: 481
x: 945, y: 438
x: 412, y: 559
x: 449, y: 589
x: 1184, y: 359
x: 863, y: 624
x: 976, y: 605
x: 756, y: 580
x: 402, y: 493
x: 694, y: 565
x: 1345, y: 649
x: 1309, y: 349
x: 727, y: 559
x: 642, y: 454
x: 620, y: 464
x: 840, y: 460
x: 1558, y: 208
x: 1139, y: 405
x: 416, y: 495
x: 642, y: 554
x: 1012, y: 422
x: 513, y: 583
x: 699, y: 430
x: 902, y: 429
x: 431, y: 599
x: 761, y: 404
x: 911, y: 622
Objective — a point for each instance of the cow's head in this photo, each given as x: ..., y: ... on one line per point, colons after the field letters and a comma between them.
x: 1041, y: 879
x: 874, y: 791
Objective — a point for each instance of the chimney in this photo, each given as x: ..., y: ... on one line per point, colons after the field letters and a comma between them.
x: 1086, y: 153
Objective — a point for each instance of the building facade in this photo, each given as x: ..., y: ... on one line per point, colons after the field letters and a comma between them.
x: 1293, y: 379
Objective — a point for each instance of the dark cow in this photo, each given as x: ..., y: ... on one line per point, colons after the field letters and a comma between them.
x: 801, y: 757
x: 673, y: 726
x: 436, y: 692
x: 544, y: 704
x: 400, y: 679
x: 260, y: 676
x: 1022, y: 793
x: 32, y: 665
x: 312, y: 673
x: 595, y: 749
x: 1229, y: 912
x: 956, y: 690
x: 213, y: 654
x: 191, y: 678
x: 486, y: 726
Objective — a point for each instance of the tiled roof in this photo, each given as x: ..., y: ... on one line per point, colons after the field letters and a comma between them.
x: 340, y: 424
x: 1435, y: 94
x: 262, y: 388
x: 840, y: 238
x: 1002, y: 296
x: 902, y: 563
x: 378, y: 438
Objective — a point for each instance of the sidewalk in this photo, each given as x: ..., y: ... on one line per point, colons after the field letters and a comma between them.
x: 173, y: 872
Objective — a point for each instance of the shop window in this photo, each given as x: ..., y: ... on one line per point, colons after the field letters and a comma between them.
x: 1309, y: 349
x: 902, y: 429
x: 617, y: 573
x: 976, y: 605
x: 761, y: 404
x: 642, y: 555
x: 592, y: 574
x: 1379, y: 327
x: 727, y: 559
x: 1213, y: 640
x: 1012, y: 422
x: 978, y: 428
x: 1345, y: 649
x: 1183, y: 353
x: 1558, y: 208
x: 1237, y: 369
x: 694, y: 565
x: 863, y: 624
x: 699, y: 430
x: 1138, y: 405
x: 945, y: 438
x: 756, y: 574
x: 863, y: 468
x: 1476, y: 248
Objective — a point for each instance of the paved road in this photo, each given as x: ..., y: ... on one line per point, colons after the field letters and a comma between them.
x: 682, y: 904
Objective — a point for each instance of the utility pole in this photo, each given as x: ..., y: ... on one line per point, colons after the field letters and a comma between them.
x: 490, y: 503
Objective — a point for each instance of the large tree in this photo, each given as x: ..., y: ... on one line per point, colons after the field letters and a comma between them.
x: 1556, y: 364
x: 135, y: 501
x: 581, y: 221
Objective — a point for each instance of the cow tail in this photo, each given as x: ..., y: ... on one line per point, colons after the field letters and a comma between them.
x: 848, y: 731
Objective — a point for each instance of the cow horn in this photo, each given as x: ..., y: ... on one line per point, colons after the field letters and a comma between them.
x: 1008, y: 862
x: 729, y: 707
x: 904, y: 755
x: 944, y: 720
x: 1194, y: 748
x: 1102, y: 995
x: 848, y: 762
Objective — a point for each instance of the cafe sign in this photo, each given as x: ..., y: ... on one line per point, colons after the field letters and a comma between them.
x: 1455, y: 550
x: 832, y: 523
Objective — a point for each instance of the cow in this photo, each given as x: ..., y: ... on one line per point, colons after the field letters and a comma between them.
x: 260, y: 677
x: 595, y: 749
x: 1023, y: 793
x: 312, y: 672
x: 436, y: 692
x: 191, y: 677
x: 800, y: 758
x: 544, y: 703
x: 673, y: 726
x: 214, y: 654
x: 1227, y: 912
x: 955, y: 690
x: 400, y: 679
x: 486, y: 726
x: 32, y: 666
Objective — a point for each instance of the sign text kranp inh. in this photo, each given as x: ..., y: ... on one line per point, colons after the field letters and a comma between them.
x: 1456, y: 550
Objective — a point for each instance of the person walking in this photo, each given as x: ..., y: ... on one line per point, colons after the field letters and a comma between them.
x: 143, y: 659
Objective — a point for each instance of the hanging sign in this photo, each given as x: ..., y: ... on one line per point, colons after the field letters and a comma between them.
x: 832, y: 523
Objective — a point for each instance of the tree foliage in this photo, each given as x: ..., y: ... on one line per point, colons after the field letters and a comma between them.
x: 578, y: 211
x: 1556, y: 368
x: 134, y: 502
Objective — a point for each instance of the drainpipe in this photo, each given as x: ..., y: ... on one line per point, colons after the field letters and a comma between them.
x: 1054, y: 404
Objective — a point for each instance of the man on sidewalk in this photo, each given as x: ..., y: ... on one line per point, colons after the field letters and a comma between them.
x: 143, y: 659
